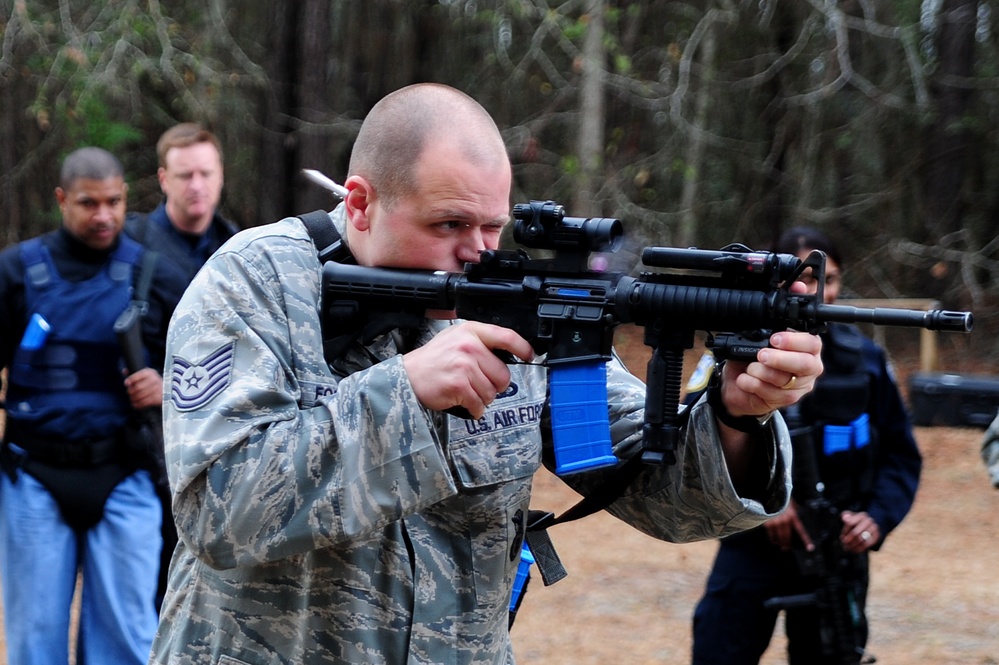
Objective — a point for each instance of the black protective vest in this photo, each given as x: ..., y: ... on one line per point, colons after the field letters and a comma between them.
x: 833, y: 422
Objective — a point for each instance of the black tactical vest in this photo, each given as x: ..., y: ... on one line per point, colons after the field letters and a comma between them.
x: 833, y: 422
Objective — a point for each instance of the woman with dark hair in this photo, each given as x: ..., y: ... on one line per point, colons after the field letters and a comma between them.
x: 855, y: 472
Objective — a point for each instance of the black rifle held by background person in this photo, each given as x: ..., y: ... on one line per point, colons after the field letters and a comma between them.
x: 145, y: 435
x: 569, y: 312
x: 837, y: 576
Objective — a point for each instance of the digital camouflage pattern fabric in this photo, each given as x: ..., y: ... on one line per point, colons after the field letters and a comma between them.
x: 990, y: 451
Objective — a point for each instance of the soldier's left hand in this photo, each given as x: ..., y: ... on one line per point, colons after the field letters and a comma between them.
x: 860, y: 532
x: 779, y: 377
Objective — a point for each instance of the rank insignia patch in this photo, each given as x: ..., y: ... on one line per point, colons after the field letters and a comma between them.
x: 194, y: 384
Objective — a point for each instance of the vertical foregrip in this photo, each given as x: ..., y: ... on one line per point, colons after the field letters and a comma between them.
x: 662, y: 400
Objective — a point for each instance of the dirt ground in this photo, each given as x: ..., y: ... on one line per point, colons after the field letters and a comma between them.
x: 629, y: 598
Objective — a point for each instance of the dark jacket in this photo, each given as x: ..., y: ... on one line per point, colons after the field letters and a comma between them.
x: 183, y: 254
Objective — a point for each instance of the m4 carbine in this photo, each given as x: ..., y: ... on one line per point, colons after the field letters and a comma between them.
x: 569, y: 312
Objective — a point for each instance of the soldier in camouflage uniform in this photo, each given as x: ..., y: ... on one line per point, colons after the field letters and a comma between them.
x: 338, y: 515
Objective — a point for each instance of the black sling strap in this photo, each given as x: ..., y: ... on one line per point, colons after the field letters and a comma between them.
x: 538, y: 521
x: 149, y: 259
x: 325, y: 236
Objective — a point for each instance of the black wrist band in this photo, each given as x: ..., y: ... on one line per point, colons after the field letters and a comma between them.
x: 747, y: 424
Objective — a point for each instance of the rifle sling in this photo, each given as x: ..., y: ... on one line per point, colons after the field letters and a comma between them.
x: 145, y: 276
x: 538, y: 521
x: 325, y: 237
x: 609, y: 491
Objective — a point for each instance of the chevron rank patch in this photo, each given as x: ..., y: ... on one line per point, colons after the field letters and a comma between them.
x: 195, y: 384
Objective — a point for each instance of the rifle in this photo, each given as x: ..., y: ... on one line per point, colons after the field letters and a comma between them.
x: 837, y: 574
x: 147, y: 438
x: 128, y: 330
x: 569, y: 312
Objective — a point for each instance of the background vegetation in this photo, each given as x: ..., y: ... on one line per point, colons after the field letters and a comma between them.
x: 697, y: 122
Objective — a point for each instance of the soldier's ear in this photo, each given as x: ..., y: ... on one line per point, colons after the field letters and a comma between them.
x: 360, y: 200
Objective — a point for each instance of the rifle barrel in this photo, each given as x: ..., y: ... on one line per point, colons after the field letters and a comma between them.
x: 936, y: 319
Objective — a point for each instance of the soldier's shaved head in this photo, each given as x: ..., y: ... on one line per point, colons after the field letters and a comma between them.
x: 399, y: 126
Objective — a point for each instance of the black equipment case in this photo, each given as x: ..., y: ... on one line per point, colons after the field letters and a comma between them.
x: 953, y: 400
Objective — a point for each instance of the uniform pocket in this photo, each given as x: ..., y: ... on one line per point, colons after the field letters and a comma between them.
x: 505, y: 443
x: 497, y: 448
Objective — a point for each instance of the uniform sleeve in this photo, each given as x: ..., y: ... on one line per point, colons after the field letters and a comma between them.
x: 990, y: 451
x: 258, y: 472
x: 899, y: 462
x: 693, y: 499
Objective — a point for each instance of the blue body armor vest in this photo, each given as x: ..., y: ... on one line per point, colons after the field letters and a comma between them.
x: 70, y: 389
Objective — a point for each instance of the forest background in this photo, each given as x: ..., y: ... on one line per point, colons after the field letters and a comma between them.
x: 698, y: 123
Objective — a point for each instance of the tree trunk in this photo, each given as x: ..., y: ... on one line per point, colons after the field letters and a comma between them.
x: 947, y: 142
x: 9, y: 194
x: 590, y: 141
x: 312, y: 104
x: 693, y: 161
x: 275, y: 151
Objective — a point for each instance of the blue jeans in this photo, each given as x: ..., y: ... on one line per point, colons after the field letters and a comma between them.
x: 40, y: 556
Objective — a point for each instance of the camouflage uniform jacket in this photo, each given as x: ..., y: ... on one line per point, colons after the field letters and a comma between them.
x: 990, y: 451
x: 330, y: 519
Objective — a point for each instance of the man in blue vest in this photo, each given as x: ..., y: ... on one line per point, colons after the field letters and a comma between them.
x: 76, y: 492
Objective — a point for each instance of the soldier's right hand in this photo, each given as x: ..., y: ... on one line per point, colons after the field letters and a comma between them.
x: 145, y: 388
x: 458, y: 367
